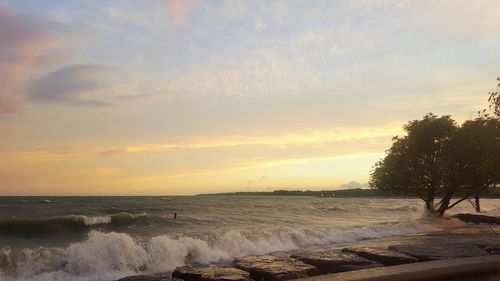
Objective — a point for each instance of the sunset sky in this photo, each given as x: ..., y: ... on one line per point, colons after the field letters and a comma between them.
x: 185, y: 97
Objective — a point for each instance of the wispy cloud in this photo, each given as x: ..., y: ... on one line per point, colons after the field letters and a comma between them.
x: 69, y: 84
x: 251, y: 164
x: 280, y: 140
x: 24, y: 49
x: 211, y: 90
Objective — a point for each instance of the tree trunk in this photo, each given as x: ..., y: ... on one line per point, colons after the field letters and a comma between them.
x: 440, y: 211
x: 477, y: 205
x: 429, y: 205
x: 445, y: 202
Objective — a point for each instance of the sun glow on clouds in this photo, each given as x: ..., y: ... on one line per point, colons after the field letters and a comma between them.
x: 181, y: 97
x: 136, y: 166
x: 282, y: 140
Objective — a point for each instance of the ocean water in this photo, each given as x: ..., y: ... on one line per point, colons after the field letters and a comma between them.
x: 106, y: 238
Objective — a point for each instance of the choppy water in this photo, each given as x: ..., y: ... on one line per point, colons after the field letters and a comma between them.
x: 105, y: 238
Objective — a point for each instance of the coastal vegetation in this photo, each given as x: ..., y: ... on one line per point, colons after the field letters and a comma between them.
x: 354, y: 192
x: 438, y: 160
x: 336, y: 193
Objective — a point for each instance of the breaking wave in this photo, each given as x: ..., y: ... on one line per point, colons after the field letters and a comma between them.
x: 25, y: 227
x: 109, y: 256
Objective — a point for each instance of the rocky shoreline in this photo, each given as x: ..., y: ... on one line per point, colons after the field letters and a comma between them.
x: 471, y: 241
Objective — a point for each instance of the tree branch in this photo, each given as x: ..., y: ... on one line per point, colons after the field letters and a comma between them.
x: 454, y: 204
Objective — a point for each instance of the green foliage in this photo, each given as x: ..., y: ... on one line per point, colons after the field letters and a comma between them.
x: 494, y: 100
x: 438, y: 159
x: 476, y: 155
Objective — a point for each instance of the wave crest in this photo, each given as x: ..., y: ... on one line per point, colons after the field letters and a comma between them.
x: 25, y: 227
x: 109, y: 256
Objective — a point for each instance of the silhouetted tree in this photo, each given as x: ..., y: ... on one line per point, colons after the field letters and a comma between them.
x: 419, y: 163
x: 475, y: 157
x: 438, y: 160
x: 494, y: 100
x: 482, y: 125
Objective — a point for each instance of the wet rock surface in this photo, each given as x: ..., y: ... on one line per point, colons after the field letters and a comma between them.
x: 385, y: 257
x: 155, y: 277
x: 210, y: 273
x: 441, y: 251
x: 490, y: 246
x: 332, y: 261
x: 492, y: 249
x: 473, y: 218
x: 275, y: 268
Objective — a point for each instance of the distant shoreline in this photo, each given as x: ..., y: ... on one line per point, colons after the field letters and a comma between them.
x: 341, y: 193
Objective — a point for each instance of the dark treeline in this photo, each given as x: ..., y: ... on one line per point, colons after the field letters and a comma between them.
x: 355, y: 192
x: 342, y: 193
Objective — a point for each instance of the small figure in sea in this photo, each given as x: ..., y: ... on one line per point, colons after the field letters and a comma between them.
x: 175, y: 215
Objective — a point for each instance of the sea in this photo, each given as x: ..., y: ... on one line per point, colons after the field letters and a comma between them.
x: 107, y: 238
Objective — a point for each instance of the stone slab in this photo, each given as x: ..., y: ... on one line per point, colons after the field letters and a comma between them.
x: 154, y: 277
x: 275, y: 268
x: 443, y: 270
x: 211, y: 273
x: 435, y: 251
x: 332, y: 261
x: 385, y: 257
x: 476, y: 218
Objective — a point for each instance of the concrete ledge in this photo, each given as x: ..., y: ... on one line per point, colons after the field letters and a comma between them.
x: 421, y: 271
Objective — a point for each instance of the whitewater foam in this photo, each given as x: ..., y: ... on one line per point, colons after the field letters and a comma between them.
x: 109, y: 256
x: 122, y: 217
x: 96, y: 220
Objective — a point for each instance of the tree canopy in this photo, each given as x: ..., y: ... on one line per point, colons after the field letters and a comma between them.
x: 437, y: 159
x: 494, y: 100
x: 441, y: 162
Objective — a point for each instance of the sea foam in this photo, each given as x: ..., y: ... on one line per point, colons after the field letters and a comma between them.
x: 109, y: 256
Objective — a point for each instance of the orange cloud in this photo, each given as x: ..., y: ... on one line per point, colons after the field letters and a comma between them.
x: 177, y: 9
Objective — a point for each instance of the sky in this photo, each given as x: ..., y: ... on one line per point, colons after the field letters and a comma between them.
x: 172, y: 97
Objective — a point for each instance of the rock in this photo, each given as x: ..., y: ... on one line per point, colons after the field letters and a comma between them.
x: 382, y: 256
x: 472, y: 218
x: 274, y: 268
x: 155, y: 277
x: 441, y: 251
x: 492, y: 247
x: 332, y: 261
x: 210, y: 273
